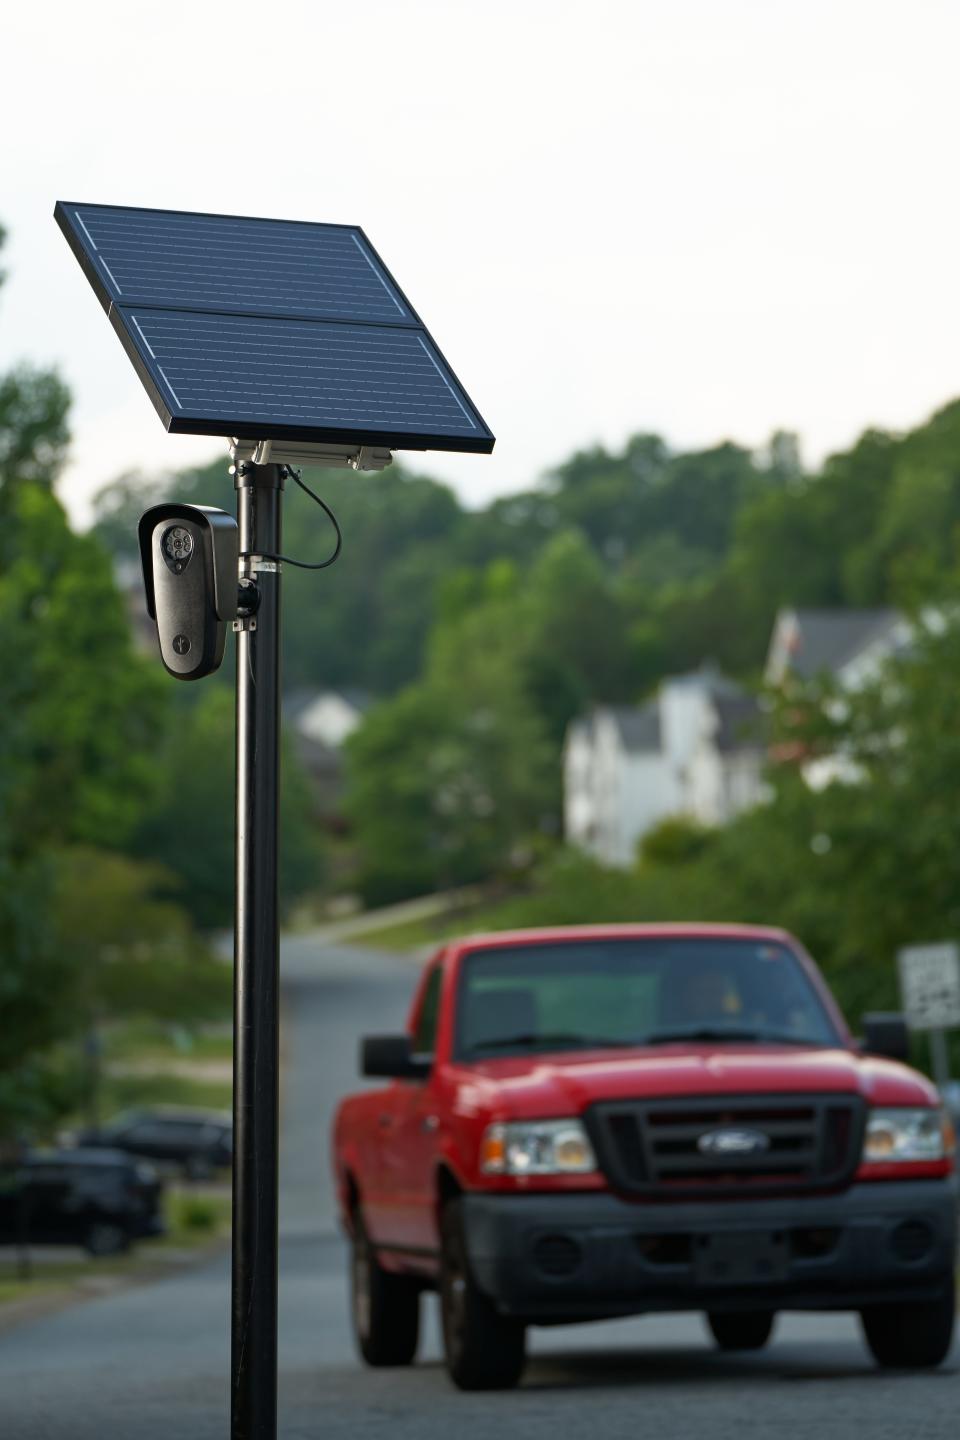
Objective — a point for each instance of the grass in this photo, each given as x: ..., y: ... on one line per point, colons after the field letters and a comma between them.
x: 155, y: 1053
x: 127, y: 1092
x: 54, y: 1278
x: 150, y: 1040
x: 434, y: 929
x: 194, y: 1218
x: 410, y: 934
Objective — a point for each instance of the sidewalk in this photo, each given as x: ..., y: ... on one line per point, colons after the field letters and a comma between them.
x: 354, y: 927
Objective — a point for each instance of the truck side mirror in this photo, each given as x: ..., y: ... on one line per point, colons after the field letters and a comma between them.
x: 887, y: 1035
x: 391, y: 1057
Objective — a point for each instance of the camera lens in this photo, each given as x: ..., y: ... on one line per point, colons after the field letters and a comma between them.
x: 178, y: 543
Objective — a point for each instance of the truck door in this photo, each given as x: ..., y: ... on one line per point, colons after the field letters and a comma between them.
x: 411, y: 1150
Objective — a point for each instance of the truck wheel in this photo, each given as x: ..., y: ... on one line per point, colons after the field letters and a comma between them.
x: 484, y: 1350
x: 385, y: 1307
x: 748, y: 1330
x: 915, y: 1335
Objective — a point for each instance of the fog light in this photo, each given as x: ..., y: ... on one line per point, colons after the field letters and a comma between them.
x: 912, y: 1240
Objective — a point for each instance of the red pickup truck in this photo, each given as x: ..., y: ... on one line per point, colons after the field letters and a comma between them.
x: 593, y: 1122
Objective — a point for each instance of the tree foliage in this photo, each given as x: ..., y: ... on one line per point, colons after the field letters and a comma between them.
x: 130, y: 951
x: 188, y: 828
x: 450, y: 776
x: 619, y: 568
x: 81, y: 715
x: 33, y: 428
x: 857, y: 868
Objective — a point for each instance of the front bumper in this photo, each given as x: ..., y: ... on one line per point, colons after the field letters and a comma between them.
x: 560, y: 1257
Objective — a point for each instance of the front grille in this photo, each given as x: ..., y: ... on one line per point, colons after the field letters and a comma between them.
x: 652, y: 1147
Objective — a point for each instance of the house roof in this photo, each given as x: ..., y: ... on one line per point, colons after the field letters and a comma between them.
x: 297, y: 702
x: 739, y: 723
x: 639, y: 728
x: 708, y: 677
x: 808, y: 642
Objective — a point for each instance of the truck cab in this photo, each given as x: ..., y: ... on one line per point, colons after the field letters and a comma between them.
x: 590, y: 1122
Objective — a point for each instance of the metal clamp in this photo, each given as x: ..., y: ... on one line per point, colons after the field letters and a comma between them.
x: 248, y: 603
x: 292, y: 452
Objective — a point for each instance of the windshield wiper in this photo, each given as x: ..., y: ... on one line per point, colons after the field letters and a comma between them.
x: 731, y: 1033
x: 581, y: 1042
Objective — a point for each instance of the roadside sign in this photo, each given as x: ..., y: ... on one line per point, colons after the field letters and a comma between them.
x: 930, y: 985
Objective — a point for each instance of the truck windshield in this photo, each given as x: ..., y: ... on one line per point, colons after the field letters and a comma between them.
x: 579, y: 995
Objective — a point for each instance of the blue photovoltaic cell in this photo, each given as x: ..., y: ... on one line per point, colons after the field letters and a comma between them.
x: 276, y: 267
x: 262, y: 370
x: 270, y: 329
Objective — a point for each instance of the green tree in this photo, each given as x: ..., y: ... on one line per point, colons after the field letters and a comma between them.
x: 83, y: 712
x: 365, y: 622
x: 36, y: 986
x: 450, y: 780
x: 126, y: 954
x: 33, y: 428
x: 577, y: 629
x: 131, y: 952
x: 189, y: 826
x: 79, y: 713
x: 856, y: 868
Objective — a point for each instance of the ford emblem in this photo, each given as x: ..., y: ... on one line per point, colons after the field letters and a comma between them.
x: 733, y: 1142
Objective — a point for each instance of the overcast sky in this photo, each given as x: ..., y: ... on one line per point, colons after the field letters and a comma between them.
x: 707, y: 218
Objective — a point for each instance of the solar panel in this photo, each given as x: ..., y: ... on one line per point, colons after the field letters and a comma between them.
x: 270, y: 330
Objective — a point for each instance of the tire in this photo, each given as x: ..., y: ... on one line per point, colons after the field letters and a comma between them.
x: 748, y: 1330
x: 915, y: 1335
x: 484, y: 1350
x: 103, y: 1238
x: 385, y: 1308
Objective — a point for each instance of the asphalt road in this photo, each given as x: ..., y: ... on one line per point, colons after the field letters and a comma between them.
x: 151, y: 1363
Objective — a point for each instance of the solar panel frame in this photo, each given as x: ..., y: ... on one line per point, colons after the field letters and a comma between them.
x: 120, y: 306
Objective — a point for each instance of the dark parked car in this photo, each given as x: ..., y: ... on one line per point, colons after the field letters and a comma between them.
x: 100, y: 1199
x: 197, y: 1142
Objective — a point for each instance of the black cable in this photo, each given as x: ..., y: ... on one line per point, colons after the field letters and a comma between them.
x: 287, y: 559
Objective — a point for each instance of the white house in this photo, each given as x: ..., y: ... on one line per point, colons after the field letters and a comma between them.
x: 329, y: 716
x: 614, y: 781
x: 695, y: 749
x: 848, y: 646
x: 726, y: 768
x: 319, y: 722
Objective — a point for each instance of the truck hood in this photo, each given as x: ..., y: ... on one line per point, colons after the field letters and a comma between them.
x: 526, y: 1087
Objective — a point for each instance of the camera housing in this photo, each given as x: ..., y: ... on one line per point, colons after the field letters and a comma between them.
x: 190, y: 557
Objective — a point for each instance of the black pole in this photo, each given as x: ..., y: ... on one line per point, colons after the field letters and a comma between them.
x: 256, y: 966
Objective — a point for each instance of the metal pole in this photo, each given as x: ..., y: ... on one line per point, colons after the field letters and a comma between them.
x: 256, y: 966
x: 940, y: 1056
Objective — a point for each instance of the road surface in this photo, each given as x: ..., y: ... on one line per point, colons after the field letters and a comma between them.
x: 151, y: 1363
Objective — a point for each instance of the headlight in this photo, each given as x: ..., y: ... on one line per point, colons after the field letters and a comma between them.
x: 907, y: 1135
x: 537, y: 1147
